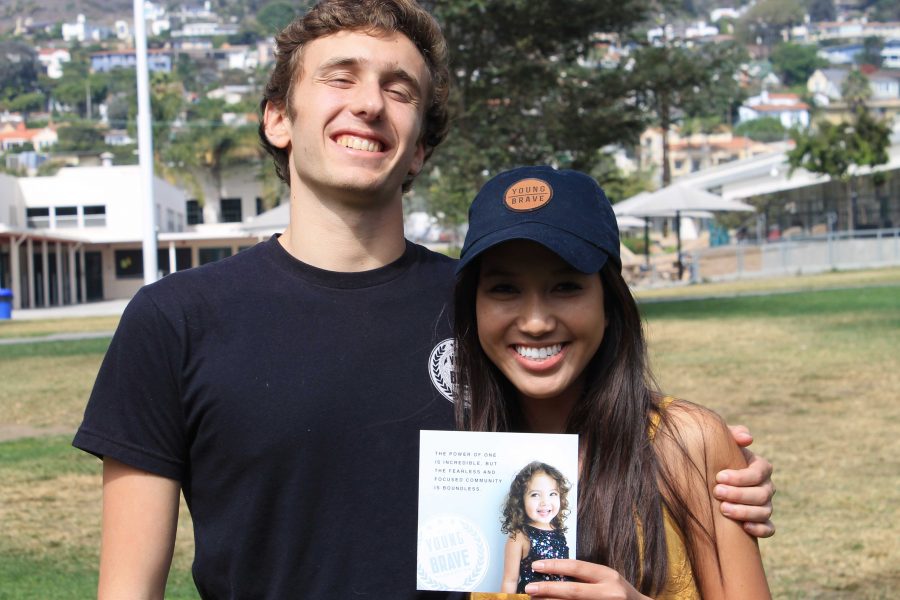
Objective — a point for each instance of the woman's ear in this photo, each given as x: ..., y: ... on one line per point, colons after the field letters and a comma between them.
x: 277, y: 125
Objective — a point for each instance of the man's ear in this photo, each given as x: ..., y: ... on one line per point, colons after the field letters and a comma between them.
x: 277, y: 126
x: 418, y: 159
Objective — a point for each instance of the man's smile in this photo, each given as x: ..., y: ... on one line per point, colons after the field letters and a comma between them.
x: 359, y: 143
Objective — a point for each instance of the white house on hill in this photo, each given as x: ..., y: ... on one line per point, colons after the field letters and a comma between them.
x: 787, y: 108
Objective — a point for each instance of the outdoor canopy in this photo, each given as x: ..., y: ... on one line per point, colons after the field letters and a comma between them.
x: 676, y: 201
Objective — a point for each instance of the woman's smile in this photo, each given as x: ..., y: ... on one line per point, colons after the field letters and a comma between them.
x: 539, y: 320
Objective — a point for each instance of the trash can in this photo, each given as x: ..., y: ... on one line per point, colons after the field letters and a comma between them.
x: 6, y: 298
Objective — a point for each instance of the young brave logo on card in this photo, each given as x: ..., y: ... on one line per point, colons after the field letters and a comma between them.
x: 466, y: 483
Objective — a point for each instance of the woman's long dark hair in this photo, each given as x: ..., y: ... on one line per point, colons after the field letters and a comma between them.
x: 623, y: 485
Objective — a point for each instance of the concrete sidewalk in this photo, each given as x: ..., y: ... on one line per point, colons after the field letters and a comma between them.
x: 90, y: 309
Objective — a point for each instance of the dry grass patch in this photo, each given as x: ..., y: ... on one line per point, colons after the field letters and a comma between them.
x: 814, y: 375
x: 46, y: 391
x: 50, y: 505
x: 819, y: 392
x: 39, y: 517
x: 14, y: 329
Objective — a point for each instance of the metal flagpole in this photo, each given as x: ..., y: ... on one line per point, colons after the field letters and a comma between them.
x: 145, y: 144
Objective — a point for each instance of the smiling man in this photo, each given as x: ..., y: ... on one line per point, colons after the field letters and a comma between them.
x: 283, y: 389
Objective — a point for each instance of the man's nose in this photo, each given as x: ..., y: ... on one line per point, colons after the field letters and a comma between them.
x: 368, y: 101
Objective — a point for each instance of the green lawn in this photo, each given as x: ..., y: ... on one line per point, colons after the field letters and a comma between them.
x: 814, y: 373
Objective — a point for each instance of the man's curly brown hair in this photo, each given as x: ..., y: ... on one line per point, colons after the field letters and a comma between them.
x: 371, y: 16
x: 514, y: 517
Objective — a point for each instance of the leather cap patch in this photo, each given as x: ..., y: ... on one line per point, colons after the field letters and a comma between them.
x: 527, y: 194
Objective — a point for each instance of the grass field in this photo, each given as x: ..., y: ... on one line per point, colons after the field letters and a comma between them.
x: 814, y: 373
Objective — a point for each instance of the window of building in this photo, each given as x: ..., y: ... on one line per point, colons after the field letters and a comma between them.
x: 208, y: 255
x: 170, y: 219
x: 94, y: 216
x: 66, y: 216
x: 231, y: 210
x: 182, y: 260
x: 695, y: 164
x: 38, y: 218
x: 260, y: 207
x: 129, y: 264
x: 194, y: 212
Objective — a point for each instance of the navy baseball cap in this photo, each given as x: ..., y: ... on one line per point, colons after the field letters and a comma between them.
x: 565, y: 211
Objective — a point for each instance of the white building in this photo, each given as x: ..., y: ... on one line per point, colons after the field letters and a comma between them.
x: 885, y: 85
x: 827, y: 83
x: 700, y: 29
x: 52, y: 60
x: 74, y: 236
x: 207, y: 29
x: 15, y: 136
x: 82, y: 31
x: 123, y: 30
x: 787, y: 108
x: 890, y: 55
x: 855, y: 29
x: 728, y: 13
x: 232, y: 94
x: 77, y: 236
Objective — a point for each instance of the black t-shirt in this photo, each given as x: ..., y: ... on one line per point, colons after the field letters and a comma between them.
x: 287, y: 400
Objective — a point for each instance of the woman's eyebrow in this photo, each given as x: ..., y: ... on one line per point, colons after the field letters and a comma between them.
x: 496, y: 272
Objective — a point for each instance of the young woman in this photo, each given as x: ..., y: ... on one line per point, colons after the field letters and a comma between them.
x: 549, y: 339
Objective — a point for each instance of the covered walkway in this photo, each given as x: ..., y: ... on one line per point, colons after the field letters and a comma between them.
x: 42, y: 269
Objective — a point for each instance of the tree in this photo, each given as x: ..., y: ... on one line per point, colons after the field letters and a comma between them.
x: 82, y: 90
x: 673, y: 81
x: 766, y: 22
x: 795, y: 63
x: 883, y: 10
x: 205, y: 144
x: 618, y: 185
x: 821, y: 10
x: 19, y: 69
x: 871, y: 52
x: 856, y: 90
x: 837, y: 150
x: 525, y: 91
x: 80, y: 136
x: 27, y: 102
x: 767, y: 129
x: 273, y: 17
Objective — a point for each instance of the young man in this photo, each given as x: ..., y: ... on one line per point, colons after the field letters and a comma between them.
x: 283, y: 389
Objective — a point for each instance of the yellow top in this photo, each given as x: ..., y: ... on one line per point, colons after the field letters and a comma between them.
x: 680, y: 584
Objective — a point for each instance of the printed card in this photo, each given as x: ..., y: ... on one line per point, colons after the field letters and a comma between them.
x: 475, y: 485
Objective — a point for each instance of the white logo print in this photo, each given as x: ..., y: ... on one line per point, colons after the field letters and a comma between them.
x: 440, y: 366
x: 453, y: 554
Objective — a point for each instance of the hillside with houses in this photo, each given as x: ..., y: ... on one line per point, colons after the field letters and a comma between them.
x: 756, y: 78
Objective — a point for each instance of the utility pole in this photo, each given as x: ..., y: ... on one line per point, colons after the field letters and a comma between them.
x: 145, y: 144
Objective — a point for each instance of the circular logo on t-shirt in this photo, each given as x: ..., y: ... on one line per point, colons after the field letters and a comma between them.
x: 453, y: 554
x: 440, y: 367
